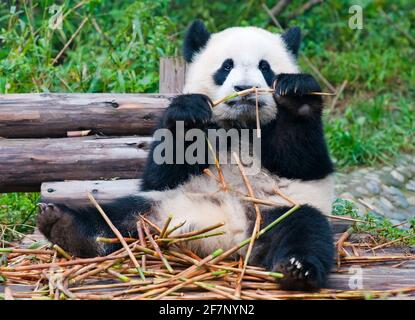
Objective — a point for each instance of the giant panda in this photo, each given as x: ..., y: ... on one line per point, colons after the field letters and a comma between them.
x: 294, y: 158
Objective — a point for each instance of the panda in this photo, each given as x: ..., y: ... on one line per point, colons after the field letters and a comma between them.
x: 294, y: 158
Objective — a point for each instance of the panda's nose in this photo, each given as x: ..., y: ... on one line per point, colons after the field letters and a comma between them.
x: 241, y: 88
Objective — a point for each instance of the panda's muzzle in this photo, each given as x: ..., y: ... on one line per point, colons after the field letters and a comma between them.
x: 242, y: 88
x: 245, y: 101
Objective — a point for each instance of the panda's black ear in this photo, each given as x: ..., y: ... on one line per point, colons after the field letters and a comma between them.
x: 292, y: 39
x: 196, y: 38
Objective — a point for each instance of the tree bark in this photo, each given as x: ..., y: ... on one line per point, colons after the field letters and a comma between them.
x: 172, y: 75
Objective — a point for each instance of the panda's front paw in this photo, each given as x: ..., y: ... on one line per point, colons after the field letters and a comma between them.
x: 195, y: 110
x: 300, y: 273
x: 293, y: 92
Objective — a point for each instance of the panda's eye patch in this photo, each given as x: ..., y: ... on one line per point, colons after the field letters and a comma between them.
x: 222, y: 73
x: 266, y: 71
x: 264, y: 65
x: 227, y: 65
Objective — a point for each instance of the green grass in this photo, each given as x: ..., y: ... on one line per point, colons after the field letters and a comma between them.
x: 371, y: 130
x: 17, y: 214
x: 377, y: 226
x: 119, y: 47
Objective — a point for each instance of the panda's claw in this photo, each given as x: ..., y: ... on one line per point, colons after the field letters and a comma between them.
x: 299, y: 274
x: 42, y: 206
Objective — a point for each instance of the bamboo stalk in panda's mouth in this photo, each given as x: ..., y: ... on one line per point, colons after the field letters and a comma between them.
x: 261, y: 91
x: 242, y: 94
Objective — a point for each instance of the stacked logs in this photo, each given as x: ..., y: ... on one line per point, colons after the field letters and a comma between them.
x: 55, y: 137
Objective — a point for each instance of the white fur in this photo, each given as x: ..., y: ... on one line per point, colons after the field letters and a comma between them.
x: 246, y: 46
x: 201, y: 203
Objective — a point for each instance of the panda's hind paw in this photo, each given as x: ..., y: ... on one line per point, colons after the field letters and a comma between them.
x: 49, y: 214
x: 299, y: 274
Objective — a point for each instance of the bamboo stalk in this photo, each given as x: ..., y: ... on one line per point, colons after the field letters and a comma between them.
x: 217, y: 165
x: 114, y: 240
x: 181, y: 224
x: 209, y: 173
x: 257, y: 225
x: 258, y: 122
x: 157, y: 248
x: 285, y: 197
x: 70, y: 40
x: 201, y: 231
x: 62, y: 252
x: 117, y: 233
x: 344, y: 218
x: 340, y: 243
x: 118, y: 275
x: 217, y: 289
x: 196, y: 237
x: 260, y: 90
x: 187, y: 272
x: 142, y: 242
x: 154, y: 226
x: 94, y: 271
x: 388, y: 243
x: 362, y: 259
x: 166, y: 225
x: 261, y: 201
x: 60, y: 264
x: 26, y: 251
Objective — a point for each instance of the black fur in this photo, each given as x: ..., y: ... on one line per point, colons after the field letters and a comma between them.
x: 304, y: 236
x: 195, y: 39
x: 195, y: 111
x: 292, y: 38
x: 222, y: 73
x: 76, y: 228
x: 293, y: 145
x: 267, y: 72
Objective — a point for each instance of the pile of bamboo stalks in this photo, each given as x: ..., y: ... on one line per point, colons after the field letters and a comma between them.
x: 157, y: 265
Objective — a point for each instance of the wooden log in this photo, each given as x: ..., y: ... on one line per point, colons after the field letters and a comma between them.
x: 76, y: 191
x: 172, y: 75
x: 54, y: 114
x: 26, y: 163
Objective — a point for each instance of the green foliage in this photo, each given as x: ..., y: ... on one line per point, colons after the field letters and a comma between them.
x: 371, y: 130
x: 343, y: 207
x: 374, y: 224
x: 117, y: 50
x: 17, y: 214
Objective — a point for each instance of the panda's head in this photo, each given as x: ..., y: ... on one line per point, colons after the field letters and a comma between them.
x: 236, y: 59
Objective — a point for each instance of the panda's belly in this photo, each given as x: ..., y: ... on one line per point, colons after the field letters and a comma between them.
x: 201, y: 202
